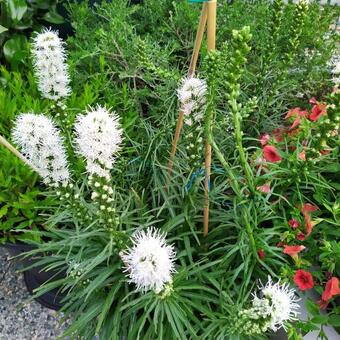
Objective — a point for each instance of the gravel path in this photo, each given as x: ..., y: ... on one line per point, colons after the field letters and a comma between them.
x: 20, y: 318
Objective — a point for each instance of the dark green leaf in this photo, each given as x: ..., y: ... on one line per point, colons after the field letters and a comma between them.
x: 16, y: 9
x: 3, y: 29
x: 334, y: 320
x: 312, y: 307
x: 53, y: 17
x: 14, y: 48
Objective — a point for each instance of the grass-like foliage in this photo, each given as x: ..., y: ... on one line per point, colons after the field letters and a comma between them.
x: 126, y: 233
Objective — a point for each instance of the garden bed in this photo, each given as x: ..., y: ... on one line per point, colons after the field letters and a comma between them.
x: 190, y: 182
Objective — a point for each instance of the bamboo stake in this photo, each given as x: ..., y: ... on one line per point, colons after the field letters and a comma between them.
x: 191, y: 72
x: 12, y: 149
x: 211, y: 28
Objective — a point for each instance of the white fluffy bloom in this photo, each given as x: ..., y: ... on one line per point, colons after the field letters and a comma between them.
x: 99, y: 136
x: 279, y: 302
x: 192, y: 95
x: 41, y: 143
x: 50, y: 66
x: 150, y: 261
x: 334, y: 64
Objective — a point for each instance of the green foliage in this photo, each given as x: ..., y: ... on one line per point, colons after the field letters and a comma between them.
x: 131, y: 58
x: 17, y: 19
x: 21, y: 201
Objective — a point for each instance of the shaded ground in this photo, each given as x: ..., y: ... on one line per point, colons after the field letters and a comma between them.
x: 21, y: 318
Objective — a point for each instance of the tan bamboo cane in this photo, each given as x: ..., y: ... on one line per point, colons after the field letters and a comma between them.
x: 12, y: 149
x: 211, y: 28
x: 191, y: 72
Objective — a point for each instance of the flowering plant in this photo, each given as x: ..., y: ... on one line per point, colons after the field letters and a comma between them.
x: 129, y: 236
x: 298, y: 165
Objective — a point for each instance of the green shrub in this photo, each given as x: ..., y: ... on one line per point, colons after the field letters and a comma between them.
x: 17, y: 19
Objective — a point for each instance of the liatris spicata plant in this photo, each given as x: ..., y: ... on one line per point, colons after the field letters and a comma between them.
x: 150, y: 261
x: 274, y: 309
x: 98, y: 139
x: 192, y: 97
x: 42, y: 145
x: 99, y: 136
x: 49, y: 59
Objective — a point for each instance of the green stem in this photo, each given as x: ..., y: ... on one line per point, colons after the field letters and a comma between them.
x: 234, y: 184
x: 239, y: 146
x: 250, y: 232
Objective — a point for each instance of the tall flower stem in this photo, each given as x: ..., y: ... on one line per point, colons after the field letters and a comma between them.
x: 250, y: 232
x: 239, y: 145
x: 235, y: 69
x: 191, y: 72
x: 234, y: 183
x: 236, y: 188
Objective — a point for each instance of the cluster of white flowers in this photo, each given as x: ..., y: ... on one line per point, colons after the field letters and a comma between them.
x: 41, y: 143
x: 99, y: 136
x: 150, y: 261
x: 278, y: 302
x: 192, y: 95
x: 50, y: 65
x: 334, y: 64
x: 276, y: 306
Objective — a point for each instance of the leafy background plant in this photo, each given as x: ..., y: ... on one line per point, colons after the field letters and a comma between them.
x: 18, y: 18
x: 136, y: 72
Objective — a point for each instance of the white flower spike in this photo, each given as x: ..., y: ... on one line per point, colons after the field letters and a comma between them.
x: 49, y: 60
x: 98, y: 137
x: 150, y: 261
x: 41, y: 143
x: 192, y: 96
x: 281, y: 302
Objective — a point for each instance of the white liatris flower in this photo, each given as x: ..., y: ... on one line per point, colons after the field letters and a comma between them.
x: 334, y: 64
x: 282, y: 303
x: 192, y: 95
x: 150, y: 261
x: 98, y: 137
x: 49, y: 59
x: 41, y: 143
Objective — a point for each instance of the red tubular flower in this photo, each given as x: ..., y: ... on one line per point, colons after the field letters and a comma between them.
x: 306, y: 209
x: 323, y: 304
x: 303, y: 279
x: 294, y: 223
x: 325, y: 152
x: 270, y: 154
x: 297, y: 113
x: 293, y: 251
x: 265, y: 188
x: 278, y: 134
x: 264, y: 139
x: 293, y: 112
x: 296, y: 123
x: 300, y: 236
x: 331, y: 289
x: 302, y: 155
x: 260, y: 252
x: 318, y: 110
